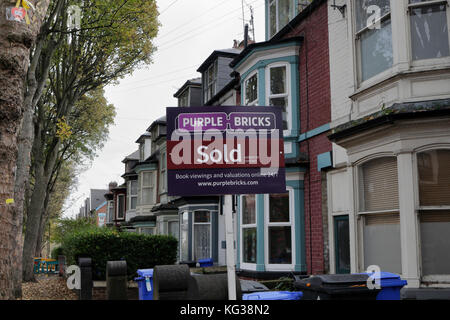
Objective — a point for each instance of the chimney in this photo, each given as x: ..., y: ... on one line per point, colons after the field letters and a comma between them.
x: 112, y: 185
x: 246, y: 36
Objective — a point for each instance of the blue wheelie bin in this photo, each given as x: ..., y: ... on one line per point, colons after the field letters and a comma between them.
x: 273, y: 295
x: 205, y: 262
x: 145, y: 283
x: 390, y: 284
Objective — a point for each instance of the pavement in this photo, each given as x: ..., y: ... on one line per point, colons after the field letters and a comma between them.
x: 47, y: 287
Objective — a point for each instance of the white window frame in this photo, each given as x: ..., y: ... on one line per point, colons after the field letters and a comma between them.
x: 130, y: 196
x: 279, y: 267
x: 431, y: 61
x: 193, y: 232
x: 151, y: 187
x: 356, y: 43
x: 244, y: 91
x: 287, y: 95
x: 361, y: 214
x: 242, y: 226
x: 427, y: 278
x: 277, y: 16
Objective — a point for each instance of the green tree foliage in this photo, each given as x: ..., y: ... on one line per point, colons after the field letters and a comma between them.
x: 66, y: 227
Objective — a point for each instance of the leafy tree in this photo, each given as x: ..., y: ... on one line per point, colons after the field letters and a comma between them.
x: 114, y: 38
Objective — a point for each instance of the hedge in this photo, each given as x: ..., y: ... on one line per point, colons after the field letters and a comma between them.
x: 140, y: 251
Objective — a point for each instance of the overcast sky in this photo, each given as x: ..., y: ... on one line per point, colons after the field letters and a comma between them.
x: 190, y: 31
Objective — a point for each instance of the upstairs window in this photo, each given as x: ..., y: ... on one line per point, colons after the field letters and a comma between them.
x: 280, y: 13
x: 163, y: 175
x: 183, y: 100
x: 373, y: 37
x: 429, y: 29
x: 251, y: 90
x: 278, y: 91
x: 141, y: 152
x: 210, y: 82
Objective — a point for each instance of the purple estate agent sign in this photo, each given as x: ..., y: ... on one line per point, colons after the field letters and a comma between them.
x: 225, y: 150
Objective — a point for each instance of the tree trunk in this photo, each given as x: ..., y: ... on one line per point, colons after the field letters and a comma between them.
x: 42, y: 224
x: 16, y: 40
x: 44, y: 164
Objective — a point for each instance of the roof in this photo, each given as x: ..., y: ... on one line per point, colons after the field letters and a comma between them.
x: 97, y: 197
x: 229, y: 53
x: 197, y: 82
x: 398, y: 111
x: 100, y: 206
x: 146, y: 134
x: 133, y: 156
x: 161, y: 120
x: 256, y: 45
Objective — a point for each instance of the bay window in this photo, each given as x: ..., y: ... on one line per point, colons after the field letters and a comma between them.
x: 202, y: 234
x: 279, y: 230
x: 251, y: 90
x: 184, y: 236
x: 434, y: 214
x: 248, y: 228
x: 379, y: 209
x: 280, y: 13
x: 429, y: 29
x: 132, y: 194
x: 120, y: 206
x: 373, y: 36
x: 278, y: 91
x: 110, y: 211
x: 147, y: 188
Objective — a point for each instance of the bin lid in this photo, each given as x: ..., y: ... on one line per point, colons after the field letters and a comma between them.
x: 145, y: 272
x: 273, y: 295
x: 205, y: 260
x: 249, y: 286
x: 388, y: 279
x: 334, y: 283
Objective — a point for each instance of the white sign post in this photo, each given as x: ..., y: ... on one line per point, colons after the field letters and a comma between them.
x: 229, y: 234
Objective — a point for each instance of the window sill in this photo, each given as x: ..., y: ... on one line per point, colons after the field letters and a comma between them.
x: 387, y: 76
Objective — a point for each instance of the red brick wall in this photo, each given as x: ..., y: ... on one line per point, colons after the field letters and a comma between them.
x: 315, y: 111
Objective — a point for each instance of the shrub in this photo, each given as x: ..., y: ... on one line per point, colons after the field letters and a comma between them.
x: 101, y: 245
